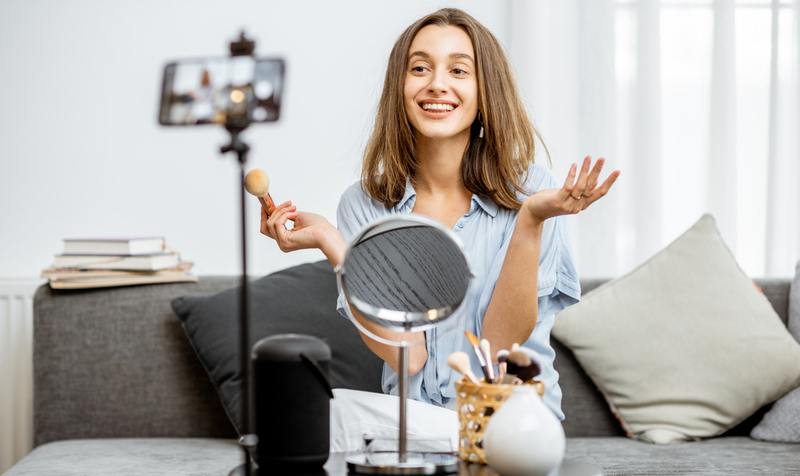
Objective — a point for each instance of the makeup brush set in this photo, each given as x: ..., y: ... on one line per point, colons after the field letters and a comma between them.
x: 479, y: 398
x: 515, y: 366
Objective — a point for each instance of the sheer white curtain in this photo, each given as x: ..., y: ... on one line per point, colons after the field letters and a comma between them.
x: 697, y: 102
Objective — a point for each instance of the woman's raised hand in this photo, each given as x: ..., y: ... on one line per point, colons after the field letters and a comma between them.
x: 576, y: 194
x: 307, y: 232
x: 310, y: 231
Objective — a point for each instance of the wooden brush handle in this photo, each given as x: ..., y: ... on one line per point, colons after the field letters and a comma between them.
x: 268, y: 204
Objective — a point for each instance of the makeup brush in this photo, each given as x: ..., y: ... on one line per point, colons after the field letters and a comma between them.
x: 476, y: 346
x: 522, y: 366
x: 536, y: 359
x: 256, y: 182
x: 487, y: 354
x: 512, y: 364
x: 501, y: 355
x: 459, y: 361
x: 501, y: 363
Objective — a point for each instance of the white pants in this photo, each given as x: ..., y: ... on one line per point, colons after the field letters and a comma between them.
x: 355, y: 414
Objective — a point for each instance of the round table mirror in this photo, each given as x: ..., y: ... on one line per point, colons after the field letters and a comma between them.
x: 404, y: 273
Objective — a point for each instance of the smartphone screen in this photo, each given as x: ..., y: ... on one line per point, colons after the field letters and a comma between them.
x: 215, y: 90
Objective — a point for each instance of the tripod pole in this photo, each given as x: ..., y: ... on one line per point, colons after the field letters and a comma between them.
x: 248, y: 438
x: 244, y: 338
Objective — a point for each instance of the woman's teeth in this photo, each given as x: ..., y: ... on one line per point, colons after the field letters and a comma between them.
x: 438, y: 107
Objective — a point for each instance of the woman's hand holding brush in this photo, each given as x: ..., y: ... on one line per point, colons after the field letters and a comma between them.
x: 309, y: 231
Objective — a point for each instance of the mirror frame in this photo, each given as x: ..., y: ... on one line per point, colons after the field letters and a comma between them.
x: 380, y: 226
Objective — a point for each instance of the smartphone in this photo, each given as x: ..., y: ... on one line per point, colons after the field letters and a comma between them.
x: 240, y: 89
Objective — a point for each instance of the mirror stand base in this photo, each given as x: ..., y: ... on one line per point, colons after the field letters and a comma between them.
x: 415, y: 463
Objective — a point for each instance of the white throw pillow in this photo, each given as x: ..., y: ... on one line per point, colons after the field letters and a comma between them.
x: 684, y: 346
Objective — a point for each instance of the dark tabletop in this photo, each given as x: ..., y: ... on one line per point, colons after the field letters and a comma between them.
x: 337, y: 466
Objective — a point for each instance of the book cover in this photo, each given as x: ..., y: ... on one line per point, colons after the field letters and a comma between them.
x: 62, y: 274
x: 111, y: 281
x: 152, y: 262
x: 113, y: 246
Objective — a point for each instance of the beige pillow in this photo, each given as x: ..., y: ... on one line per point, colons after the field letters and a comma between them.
x: 684, y: 346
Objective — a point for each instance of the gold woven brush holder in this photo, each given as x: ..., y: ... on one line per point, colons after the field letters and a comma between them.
x: 476, y: 404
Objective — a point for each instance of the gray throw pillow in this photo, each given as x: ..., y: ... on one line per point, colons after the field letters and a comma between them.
x: 782, y: 422
x: 299, y: 300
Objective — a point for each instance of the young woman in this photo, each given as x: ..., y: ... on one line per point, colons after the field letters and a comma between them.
x: 452, y: 141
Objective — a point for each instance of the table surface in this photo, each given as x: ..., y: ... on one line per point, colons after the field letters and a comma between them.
x: 337, y: 466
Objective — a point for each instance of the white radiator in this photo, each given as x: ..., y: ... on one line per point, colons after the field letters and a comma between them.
x: 16, y: 369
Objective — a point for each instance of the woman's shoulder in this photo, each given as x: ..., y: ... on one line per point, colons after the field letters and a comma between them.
x: 356, y: 208
x: 353, y: 210
x: 354, y: 199
x: 354, y: 192
x: 354, y: 195
x: 536, y: 178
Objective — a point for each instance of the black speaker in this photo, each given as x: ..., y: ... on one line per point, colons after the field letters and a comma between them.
x: 292, y: 402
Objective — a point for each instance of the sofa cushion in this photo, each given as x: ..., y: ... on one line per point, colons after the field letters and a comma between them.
x: 724, y: 456
x: 782, y: 422
x: 684, y: 346
x: 300, y: 300
x: 132, y: 456
x: 203, y: 456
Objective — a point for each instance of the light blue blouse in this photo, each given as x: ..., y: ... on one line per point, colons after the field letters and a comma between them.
x: 485, y: 231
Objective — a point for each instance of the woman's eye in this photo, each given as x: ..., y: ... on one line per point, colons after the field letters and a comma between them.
x: 459, y: 71
x: 417, y: 69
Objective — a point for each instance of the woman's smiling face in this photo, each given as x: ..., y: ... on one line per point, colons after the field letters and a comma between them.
x: 441, y: 85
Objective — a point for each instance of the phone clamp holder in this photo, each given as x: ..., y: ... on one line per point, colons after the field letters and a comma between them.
x: 243, y: 47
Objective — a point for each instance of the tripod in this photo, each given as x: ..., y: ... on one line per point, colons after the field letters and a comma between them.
x: 235, y: 125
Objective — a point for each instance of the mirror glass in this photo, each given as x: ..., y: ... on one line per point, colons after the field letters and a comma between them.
x: 406, y: 273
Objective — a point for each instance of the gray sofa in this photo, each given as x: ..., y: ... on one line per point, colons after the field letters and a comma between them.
x: 118, y: 389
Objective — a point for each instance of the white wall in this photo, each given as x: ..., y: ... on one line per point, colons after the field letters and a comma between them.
x: 82, y: 155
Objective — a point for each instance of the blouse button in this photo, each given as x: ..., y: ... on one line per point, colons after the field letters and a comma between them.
x: 461, y: 225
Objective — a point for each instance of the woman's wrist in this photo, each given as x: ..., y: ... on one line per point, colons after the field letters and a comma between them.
x: 528, y: 216
x: 333, y: 245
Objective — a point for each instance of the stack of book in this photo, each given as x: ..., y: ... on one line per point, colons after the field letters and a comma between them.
x: 98, y: 263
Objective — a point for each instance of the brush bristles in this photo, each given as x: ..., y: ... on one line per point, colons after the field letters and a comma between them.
x: 459, y: 361
x: 256, y: 182
x: 522, y: 366
x: 535, y: 357
x: 518, y: 359
x: 485, y: 346
x: 472, y: 339
x: 502, y: 355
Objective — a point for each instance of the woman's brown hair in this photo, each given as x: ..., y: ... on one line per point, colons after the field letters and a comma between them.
x: 494, y: 165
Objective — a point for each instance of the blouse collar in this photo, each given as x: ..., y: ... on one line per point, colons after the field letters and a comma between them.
x: 406, y: 204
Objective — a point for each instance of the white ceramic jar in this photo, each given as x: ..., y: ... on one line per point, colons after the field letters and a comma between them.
x: 523, y: 437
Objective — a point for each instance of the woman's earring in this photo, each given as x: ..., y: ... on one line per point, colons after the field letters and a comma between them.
x: 480, y: 119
